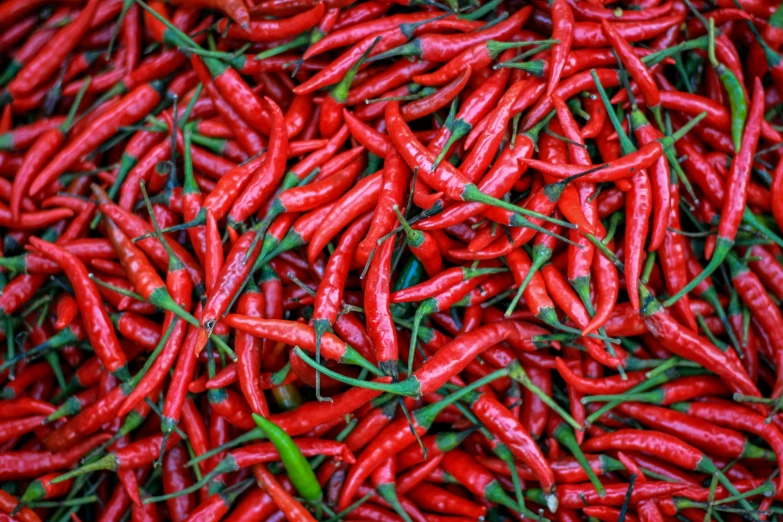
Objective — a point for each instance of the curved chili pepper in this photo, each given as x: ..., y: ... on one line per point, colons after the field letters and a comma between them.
x: 734, y: 206
x: 271, y: 30
x: 39, y: 153
x: 134, y: 106
x: 443, y: 48
x: 298, y: 334
x: 99, y: 328
x: 636, y: 68
x: 53, y: 53
x: 737, y: 417
x: 291, y: 507
x: 688, y: 345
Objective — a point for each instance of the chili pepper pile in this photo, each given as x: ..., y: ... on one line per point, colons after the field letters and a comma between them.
x: 391, y: 260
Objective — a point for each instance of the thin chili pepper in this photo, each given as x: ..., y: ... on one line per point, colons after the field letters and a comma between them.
x: 269, y: 173
x: 360, y: 199
x: 52, y: 54
x: 386, y: 80
x: 39, y: 153
x: 127, y: 111
x: 443, y: 48
x: 143, y: 276
x: 737, y: 417
x: 433, y: 498
x: 377, y: 302
x: 733, y: 206
x: 24, y: 406
x: 349, y: 35
x: 707, y: 436
x: 419, y: 108
x: 249, y: 353
x: 271, y: 30
x: 636, y: 68
x: 395, y: 437
x: 395, y: 179
x: 248, y: 138
x: 292, y: 509
x: 563, y: 31
x: 763, y: 308
x: 99, y: 328
x: 689, y: 346
x: 138, y: 453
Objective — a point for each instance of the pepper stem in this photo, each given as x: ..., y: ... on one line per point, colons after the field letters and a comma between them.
x: 108, y: 463
x: 227, y: 465
x: 69, y: 120
x: 536, y: 67
x: 494, y: 47
x: 412, y: 236
x: 540, y: 256
x: 722, y: 247
x: 518, y: 374
x: 254, y: 434
x: 388, y: 492
x: 408, y: 387
x: 473, y: 193
x: 667, y: 372
x: 117, y: 289
x: 459, y: 128
x: 319, y: 326
x: 421, y: 312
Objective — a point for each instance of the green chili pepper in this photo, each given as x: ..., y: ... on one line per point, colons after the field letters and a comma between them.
x: 299, y: 470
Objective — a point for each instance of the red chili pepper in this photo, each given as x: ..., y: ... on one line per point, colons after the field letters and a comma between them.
x: 562, y: 30
x: 734, y: 205
x: 48, y: 59
x: 443, y: 48
x: 127, y: 111
x: 360, y: 199
x: 99, y: 328
x: 736, y: 417
x: 390, y: 37
x: 638, y: 71
x: 271, y: 30
x: 31, y: 464
x: 688, y: 345
x: 291, y: 508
